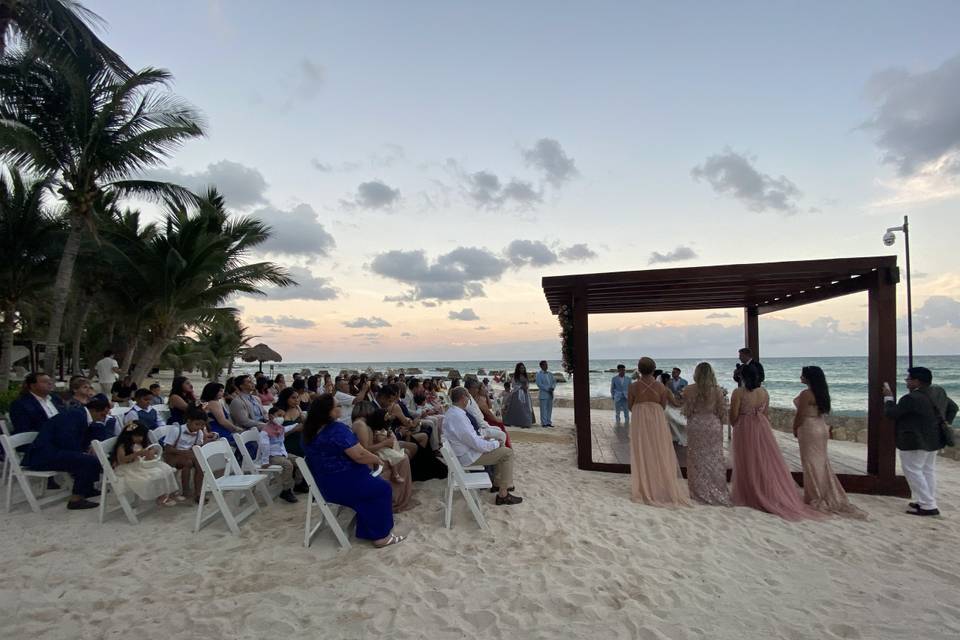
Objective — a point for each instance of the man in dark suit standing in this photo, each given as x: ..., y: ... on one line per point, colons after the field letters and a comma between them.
x: 36, y: 404
x: 746, y: 357
x: 63, y: 444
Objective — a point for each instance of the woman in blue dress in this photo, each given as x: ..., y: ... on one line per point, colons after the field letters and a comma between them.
x: 340, y: 465
x: 218, y: 416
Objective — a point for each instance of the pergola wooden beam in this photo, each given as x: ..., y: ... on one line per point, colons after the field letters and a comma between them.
x: 758, y: 289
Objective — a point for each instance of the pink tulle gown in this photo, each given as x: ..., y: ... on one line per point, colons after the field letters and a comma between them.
x: 654, y: 471
x: 761, y: 478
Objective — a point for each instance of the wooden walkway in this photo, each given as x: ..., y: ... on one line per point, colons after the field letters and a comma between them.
x: 612, y: 444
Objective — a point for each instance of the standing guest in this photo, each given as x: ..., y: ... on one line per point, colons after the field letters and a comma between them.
x: 341, y: 467
x: 745, y: 356
x: 246, y: 411
x: 272, y: 452
x: 546, y: 383
x: 155, y: 396
x: 518, y: 410
x: 705, y: 406
x: 122, y: 391
x: 654, y: 469
x: 923, y: 418
x: 36, y: 403
x: 178, y: 450
x: 218, y: 416
x: 761, y: 478
x: 81, y: 390
x: 366, y: 419
x: 473, y: 449
x: 181, y: 399
x: 140, y: 467
x: 677, y: 384
x: 108, y: 371
x: 619, y: 386
x: 821, y: 489
x: 63, y: 444
x: 143, y: 411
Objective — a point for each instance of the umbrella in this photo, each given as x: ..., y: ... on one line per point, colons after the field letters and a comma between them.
x: 261, y: 353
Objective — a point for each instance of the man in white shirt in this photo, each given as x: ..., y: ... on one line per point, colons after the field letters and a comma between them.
x: 108, y: 371
x: 346, y: 400
x: 487, y: 430
x: 470, y: 448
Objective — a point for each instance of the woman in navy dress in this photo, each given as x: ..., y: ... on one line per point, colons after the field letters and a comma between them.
x: 340, y: 465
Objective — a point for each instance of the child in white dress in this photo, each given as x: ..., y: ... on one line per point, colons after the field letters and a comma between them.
x: 141, y: 468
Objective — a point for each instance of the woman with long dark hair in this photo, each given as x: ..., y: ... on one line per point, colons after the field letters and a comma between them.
x: 821, y: 489
x: 217, y: 414
x: 517, y: 408
x: 341, y: 467
x: 181, y: 399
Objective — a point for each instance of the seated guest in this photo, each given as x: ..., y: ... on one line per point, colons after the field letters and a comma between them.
x: 479, y: 408
x: 181, y: 399
x: 406, y: 427
x: 229, y: 390
x: 271, y: 451
x: 264, y: 389
x: 81, y: 390
x: 344, y: 398
x: 300, y: 387
x: 35, y: 405
x: 471, y: 448
x: 246, y: 410
x: 63, y: 444
x: 155, y: 396
x: 341, y: 467
x: 279, y: 384
x: 122, y: 391
x: 218, y: 416
x: 292, y: 416
x: 143, y: 411
x: 178, y: 450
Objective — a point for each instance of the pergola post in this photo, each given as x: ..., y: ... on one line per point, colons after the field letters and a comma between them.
x: 882, y: 367
x: 581, y: 378
x: 751, y: 330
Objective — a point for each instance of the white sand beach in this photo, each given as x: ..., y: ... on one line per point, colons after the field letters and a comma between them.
x: 576, y: 560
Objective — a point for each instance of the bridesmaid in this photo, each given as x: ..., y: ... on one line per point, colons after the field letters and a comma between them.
x: 821, y: 489
x: 761, y: 478
x: 654, y: 470
x: 705, y: 405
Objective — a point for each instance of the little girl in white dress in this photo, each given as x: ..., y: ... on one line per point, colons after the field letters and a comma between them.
x: 391, y: 455
x: 141, y: 468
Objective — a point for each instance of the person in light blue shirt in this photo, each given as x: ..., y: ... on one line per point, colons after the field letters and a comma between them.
x: 618, y: 391
x: 546, y: 383
x: 677, y: 384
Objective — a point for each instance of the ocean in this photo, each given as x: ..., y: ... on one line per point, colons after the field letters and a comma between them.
x: 847, y: 376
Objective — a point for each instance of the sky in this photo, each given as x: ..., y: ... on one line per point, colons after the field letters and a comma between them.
x: 423, y: 165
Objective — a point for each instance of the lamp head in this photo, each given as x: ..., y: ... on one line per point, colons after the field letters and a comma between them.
x: 889, y: 238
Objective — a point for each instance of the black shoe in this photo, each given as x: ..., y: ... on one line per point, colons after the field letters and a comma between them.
x: 924, y: 512
x: 509, y: 499
x: 52, y: 485
x: 497, y: 489
x: 302, y: 487
x: 914, y: 505
x: 287, y: 495
x: 81, y: 504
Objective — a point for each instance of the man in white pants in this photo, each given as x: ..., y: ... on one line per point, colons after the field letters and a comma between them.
x: 918, y: 417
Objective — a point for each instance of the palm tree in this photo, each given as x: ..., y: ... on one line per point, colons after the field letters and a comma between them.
x: 188, y: 272
x: 221, y: 342
x: 29, y: 239
x: 90, y: 132
x: 61, y: 29
x: 183, y: 354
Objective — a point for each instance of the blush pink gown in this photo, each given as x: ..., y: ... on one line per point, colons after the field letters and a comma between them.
x: 654, y: 470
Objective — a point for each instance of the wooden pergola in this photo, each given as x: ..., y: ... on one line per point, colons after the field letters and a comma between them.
x: 757, y: 289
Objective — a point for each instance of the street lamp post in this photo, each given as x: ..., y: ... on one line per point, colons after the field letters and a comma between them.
x: 888, y: 239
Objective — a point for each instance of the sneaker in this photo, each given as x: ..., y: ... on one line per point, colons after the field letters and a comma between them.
x: 287, y: 494
x: 509, y: 499
x: 81, y: 504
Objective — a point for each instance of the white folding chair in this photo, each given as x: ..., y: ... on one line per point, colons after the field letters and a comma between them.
x: 112, y: 485
x: 248, y: 465
x: 467, y: 483
x: 232, y: 481
x: 25, y: 476
x: 5, y: 477
x: 326, y: 513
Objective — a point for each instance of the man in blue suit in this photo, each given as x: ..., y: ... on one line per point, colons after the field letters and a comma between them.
x: 63, y: 444
x: 35, y: 405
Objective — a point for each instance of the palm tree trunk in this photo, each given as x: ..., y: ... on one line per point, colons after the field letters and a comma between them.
x: 150, y: 356
x: 86, y: 303
x: 6, y: 357
x: 61, y: 291
x: 131, y: 351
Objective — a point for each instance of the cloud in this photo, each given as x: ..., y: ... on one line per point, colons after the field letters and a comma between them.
x: 466, y: 315
x: 407, y: 334
x: 677, y: 255
x: 388, y: 156
x: 371, y: 337
x: 307, y: 82
x: 577, y: 252
x: 241, y: 186
x: 936, y: 312
x: 481, y: 328
x: 917, y: 117
x: 374, y: 195
x: 485, y: 190
x: 734, y: 173
x: 429, y: 303
x: 455, y: 275
x: 309, y: 287
x: 373, y: 322
x: 295, y: 232
x: 549, y: 157
x: 530, y: 252
x: 326, y: 167
x: 288, y: 322
x: 719, y: 316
